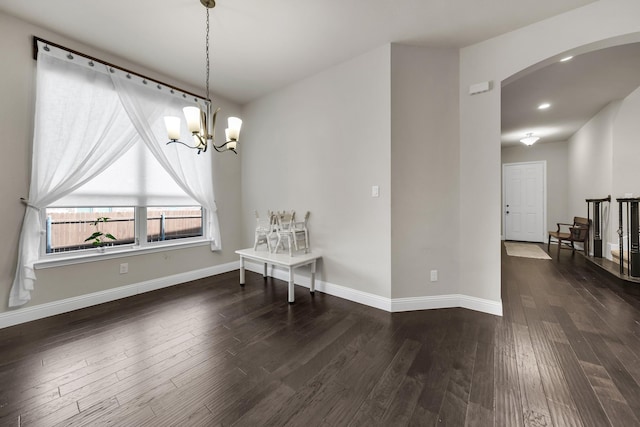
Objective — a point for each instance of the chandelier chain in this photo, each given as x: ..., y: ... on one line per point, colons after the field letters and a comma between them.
x: 207, y: 55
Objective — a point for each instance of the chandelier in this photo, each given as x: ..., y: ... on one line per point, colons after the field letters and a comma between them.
x: 200, y: 121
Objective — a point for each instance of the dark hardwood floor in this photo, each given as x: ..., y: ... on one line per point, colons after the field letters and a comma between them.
x: 210, y: 353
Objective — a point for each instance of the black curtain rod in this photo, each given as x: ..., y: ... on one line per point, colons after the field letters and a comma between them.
x: 36, y: 39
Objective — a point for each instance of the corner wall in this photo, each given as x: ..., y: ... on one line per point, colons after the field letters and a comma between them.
x: 388, y: 118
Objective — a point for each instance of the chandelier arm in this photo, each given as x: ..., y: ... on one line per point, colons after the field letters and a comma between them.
x: 200, y: 148
x: 221, y: 148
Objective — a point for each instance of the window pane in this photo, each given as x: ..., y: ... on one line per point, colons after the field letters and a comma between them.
x: 170, y: 223
x: 68, y: 228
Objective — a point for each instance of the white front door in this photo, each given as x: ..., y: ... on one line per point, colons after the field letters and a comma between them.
x: 524, y: 201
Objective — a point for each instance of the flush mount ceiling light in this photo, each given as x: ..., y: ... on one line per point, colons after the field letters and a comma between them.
x: 529, y: 139
x: 544, y: 106
x: 201, y: 121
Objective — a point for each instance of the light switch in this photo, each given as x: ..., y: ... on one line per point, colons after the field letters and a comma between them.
x: 375, y: 191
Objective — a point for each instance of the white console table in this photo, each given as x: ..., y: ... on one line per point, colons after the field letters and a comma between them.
x: 282, y: 260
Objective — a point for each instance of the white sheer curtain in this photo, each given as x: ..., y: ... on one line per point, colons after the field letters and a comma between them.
x: 82, y: 126
x: 80, y: 129
x: 146, y: 107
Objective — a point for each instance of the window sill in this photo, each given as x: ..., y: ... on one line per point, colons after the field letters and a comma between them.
x: 121, y: 252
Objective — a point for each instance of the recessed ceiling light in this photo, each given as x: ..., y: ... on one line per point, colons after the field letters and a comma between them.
x: 566, y: 58
x: 544, y: 106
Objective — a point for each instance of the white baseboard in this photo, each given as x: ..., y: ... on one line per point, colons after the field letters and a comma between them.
x: 27, y: 314
x: 387, y: 304
x: 343, y: 292
x: 447, y: 301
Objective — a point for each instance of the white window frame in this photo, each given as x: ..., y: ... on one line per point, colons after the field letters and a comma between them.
x: 140, y: 245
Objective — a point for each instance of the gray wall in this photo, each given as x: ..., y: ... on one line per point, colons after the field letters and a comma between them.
x: 556, y: 156
x: 16, y: 112
x: 387, y: 118
x: 320, y: 145
x: 424, y: 171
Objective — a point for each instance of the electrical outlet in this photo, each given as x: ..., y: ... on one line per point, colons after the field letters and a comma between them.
x: 124, y: 268
x: 434, y: 275
x: 375, y: 191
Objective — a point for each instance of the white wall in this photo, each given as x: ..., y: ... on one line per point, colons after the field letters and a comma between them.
x: 591, y: 164
x: 600, y: 24
x: 16, y: 113
x: 603, y: 159
x: 424, y: 171
x: 591, y: 157
x: 320, y: 145
x: 626, y: 153
x: 625, y: 161
x: 555, y: 154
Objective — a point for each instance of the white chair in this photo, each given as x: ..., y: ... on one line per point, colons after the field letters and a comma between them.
x: 284, y: 230
x: 301, y: 234
x: 265, y: 229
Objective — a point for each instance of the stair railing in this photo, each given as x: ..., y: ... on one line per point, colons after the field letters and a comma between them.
x: 597, y: 223
x: 628, y: 214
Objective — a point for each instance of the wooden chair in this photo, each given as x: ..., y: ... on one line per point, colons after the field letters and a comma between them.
x: 578, y: 232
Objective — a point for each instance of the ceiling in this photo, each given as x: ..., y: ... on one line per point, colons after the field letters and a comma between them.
x: 259, y: 46
x: 577, y: 90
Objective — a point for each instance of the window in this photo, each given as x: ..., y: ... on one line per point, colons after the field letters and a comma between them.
x: 144, y: 206
x: 172, y: 223
x: 70, y: 229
